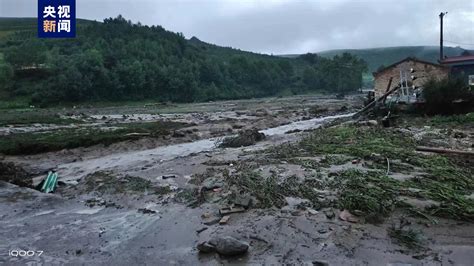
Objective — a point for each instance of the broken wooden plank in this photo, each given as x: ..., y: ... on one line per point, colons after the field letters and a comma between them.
x: 372, y: 103
x: 136, y: 134
x: 229, y: 210
x: 446, y: 151
x: 388, y: 88
x: 224, y: 219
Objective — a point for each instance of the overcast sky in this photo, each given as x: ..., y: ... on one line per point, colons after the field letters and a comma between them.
x: 288, y: 26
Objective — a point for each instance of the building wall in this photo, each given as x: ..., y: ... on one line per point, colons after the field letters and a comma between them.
x: 423, y: 72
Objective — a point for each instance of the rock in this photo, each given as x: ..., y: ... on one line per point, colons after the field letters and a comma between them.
x: 200, y: 230
x: 296, y: 212
x: 343, y: 108
x: 146, y: 211
x: 205, y: 247
x: 244, y: 138
x: 345, y: 215
x: 316, y: 110
x: 211, y: 183
x: 212, y: 221
x: 459, y: 134
x: 330, y: 214
x: 244, y: 200
x: 320, y: 263
x: 293, y: 131
x: 312, y: 212
x: 229, y: 246
x: 178, y: 134
x: 369, y: 123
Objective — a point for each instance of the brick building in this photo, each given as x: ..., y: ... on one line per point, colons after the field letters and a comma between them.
x: 410, y: 74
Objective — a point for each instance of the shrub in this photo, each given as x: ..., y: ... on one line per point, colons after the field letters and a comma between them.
x: 446, y: 96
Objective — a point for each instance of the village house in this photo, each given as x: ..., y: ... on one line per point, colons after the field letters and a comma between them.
x: 410, y: 74
x: 461, y: 66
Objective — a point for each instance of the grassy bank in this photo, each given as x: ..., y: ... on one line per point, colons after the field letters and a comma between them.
x: 32, y: 143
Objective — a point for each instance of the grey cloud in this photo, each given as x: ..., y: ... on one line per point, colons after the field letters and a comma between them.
x: 282, y: 27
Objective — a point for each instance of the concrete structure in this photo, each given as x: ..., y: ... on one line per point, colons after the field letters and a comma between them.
x: 461, y: 66
x: 410, y: 74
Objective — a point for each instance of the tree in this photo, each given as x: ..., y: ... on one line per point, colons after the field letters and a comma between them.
x: 119, y: 60
x: 6, y: 76
x: 30, y: 53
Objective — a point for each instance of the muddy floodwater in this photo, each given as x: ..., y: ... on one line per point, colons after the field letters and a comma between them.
x: 150, y: 200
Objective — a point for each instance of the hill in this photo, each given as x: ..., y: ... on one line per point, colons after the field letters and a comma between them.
x: 9, y: 26
x: 376, y: 57
x: 119, y: 60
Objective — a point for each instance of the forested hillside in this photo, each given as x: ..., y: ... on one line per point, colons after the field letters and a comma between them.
x: 384, y: 56
x: 117, y: 60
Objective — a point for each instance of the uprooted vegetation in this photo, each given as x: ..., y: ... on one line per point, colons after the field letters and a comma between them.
x: 371, y: 195
x: 107, y: 183
x: 32, y: 143
x: 407, y: 237
x: 370, y: 191
x: 445, y: 180
x: 269, y: 192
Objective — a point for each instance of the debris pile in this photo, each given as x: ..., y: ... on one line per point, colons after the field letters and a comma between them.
x: 224, y: 245
x: 244, y: 138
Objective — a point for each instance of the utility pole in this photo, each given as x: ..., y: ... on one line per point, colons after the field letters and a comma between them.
x: 441, y: 55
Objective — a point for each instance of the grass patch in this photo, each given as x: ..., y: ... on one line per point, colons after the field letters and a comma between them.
x: 17, y: 103
x: 407, y: 238
x: 438, y: 120
x: 31, y: 116
x: 32, y: 143
x: 453, y: 119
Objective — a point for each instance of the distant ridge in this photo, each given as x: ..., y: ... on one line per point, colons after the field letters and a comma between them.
x: 376, y: 57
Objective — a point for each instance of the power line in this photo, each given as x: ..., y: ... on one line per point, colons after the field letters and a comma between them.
x: 472, y: 44
x: 448, y: 33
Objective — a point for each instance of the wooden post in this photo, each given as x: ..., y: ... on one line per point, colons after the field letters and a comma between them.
x: 388, y: 87
x: 372, y: 103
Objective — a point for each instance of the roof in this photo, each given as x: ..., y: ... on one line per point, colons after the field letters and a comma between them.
x: 407, y: 59
x: 458, y: 59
